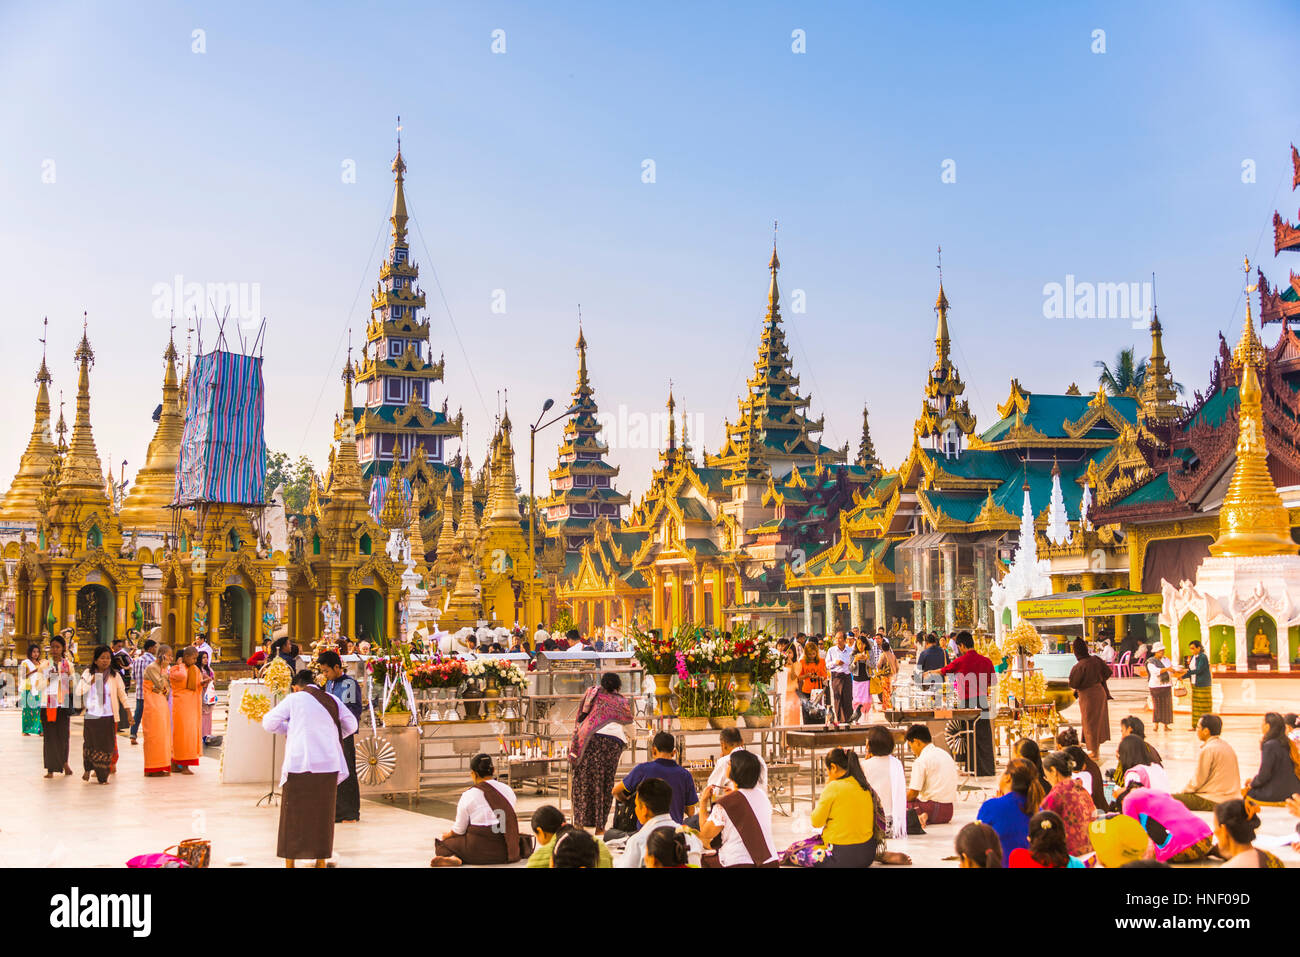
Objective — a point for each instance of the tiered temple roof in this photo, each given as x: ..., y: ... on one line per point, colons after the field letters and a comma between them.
x: 773, y: 432
x: 945, y: 418
x: 582, y: 489
x: 396, y: 374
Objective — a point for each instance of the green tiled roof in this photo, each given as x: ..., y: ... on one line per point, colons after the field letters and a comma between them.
x: 973, y: 463
x: 693, y: 509
x: 1157, y: 490
x: 703, y: 546
x: 1049, y: 413
x: 1218, y: 406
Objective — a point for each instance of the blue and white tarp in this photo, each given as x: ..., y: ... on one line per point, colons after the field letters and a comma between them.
x: 223, y: 447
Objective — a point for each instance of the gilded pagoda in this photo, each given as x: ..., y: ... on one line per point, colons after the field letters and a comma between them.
x: 20, y: 502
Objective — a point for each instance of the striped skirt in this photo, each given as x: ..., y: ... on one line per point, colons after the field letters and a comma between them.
x: 1202, y: 703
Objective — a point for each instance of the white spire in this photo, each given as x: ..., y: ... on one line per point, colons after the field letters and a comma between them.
x: 1085, y: 505
x: 1028, y: 550
x: 1026, y: 578
x: 1058, y: 522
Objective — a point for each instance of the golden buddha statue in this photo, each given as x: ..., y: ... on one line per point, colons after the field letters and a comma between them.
x: 1260, y: 645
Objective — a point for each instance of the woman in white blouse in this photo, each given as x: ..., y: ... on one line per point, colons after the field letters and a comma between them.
x: 28, y: 671
x: 102, y: 693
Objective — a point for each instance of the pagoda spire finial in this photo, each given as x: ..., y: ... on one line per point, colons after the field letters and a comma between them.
x: 399, y: 217
x: 774, y: 293
x: 942, y: 342
x: 1249, y: 350
x: 581, y: 346
x: 672, y: 421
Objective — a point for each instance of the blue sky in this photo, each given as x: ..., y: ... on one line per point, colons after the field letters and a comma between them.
x: 525, y: 175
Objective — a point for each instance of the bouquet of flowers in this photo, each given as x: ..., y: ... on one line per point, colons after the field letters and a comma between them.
x: 654, y: 652
x: 507, y: 673
x: 438, y: 673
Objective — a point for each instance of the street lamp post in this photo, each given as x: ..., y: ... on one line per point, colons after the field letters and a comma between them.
x: 532, y: 508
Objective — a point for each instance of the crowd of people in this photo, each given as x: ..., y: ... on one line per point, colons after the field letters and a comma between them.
x: 132, y: 688
x: 1051, y: 808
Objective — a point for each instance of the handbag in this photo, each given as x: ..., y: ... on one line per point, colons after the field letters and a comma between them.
x: 195, y: 852
x: 1180, y: 689
x: 625, y: 816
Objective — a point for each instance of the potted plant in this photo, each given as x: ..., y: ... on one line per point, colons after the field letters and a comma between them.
x: 760, y: 713
x: 693, y: 703
x: 397, y: 714
x: 722, y: 706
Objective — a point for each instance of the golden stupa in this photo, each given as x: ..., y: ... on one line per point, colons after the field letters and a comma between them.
x: 147, y: 503
x: 1252, y: 519
x: 20, y: 502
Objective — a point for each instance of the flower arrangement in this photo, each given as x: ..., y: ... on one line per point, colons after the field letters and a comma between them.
x: 277, y: 677
x: 506, y: 673
x: 439, y: 673
x: 766, y: 659
x: 654, y: 652
x: 717, y: 653
x: 254, y: 705
x: 1024, y: 639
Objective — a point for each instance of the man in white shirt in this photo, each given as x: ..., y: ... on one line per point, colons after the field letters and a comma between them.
x: 654, y: 797
x: 202, y: 645
x: 839, y: 664
x: 486, y: 828
x: 730, y: 741
x: 933, y: 789
x: 741, y: 817
x: 314, y: 724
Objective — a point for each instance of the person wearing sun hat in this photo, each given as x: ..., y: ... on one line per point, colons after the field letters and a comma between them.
x: 1160, y: 685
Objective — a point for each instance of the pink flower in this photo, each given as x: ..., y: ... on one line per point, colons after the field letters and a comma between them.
x: 681, y: 667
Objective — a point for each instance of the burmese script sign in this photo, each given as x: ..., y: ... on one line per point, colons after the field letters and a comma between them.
x: 1090, y: 604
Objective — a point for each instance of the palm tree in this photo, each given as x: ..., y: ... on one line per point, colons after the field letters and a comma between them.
x: 1127, y: 373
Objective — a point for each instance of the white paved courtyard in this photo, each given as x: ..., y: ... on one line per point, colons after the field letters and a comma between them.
x: 67, y: 822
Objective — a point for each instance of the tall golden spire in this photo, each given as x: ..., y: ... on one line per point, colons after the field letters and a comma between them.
x: 82, y: 470
x: 1252, y: 519
x: 346, y: 476
x: 672, y: 421
x: 154, y: 487
x: 505, y: 507
x: 942, y: 343
x: 445, y: 556
x: 468, y: 529
x: 20, y: 501
x: 584, y: 383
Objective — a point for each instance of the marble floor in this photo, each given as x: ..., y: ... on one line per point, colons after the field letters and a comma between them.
x: 67, y: 822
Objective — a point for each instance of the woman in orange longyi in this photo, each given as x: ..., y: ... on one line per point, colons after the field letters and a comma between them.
x: 157, y: 719
x: 187, y: 711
